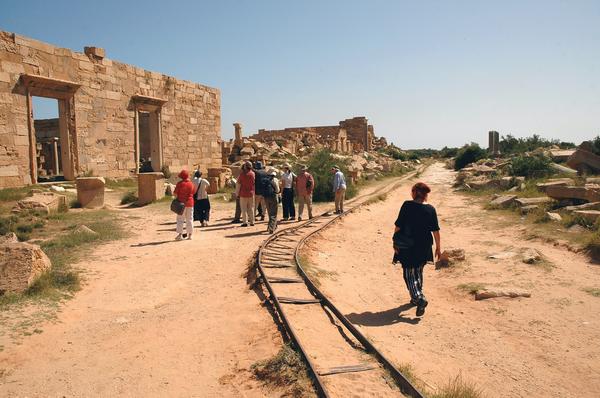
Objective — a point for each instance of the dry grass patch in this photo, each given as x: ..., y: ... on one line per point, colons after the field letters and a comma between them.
x: 457, y: 387
x: 471, y: 287
x: 594, y: 291
x: 285, y: 370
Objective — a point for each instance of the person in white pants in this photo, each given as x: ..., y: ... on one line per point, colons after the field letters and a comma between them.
x: 184, y: 191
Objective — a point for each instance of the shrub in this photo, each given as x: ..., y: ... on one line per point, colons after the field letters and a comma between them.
x: 394, y: 152
x: 129, y: 197
x: 531, y: 166
x: 512, y: 145
x: 446, y: 152
x: 319, y: 166
x: 468, y: 154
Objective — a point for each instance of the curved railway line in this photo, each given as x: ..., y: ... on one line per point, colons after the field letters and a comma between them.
x: 347, y: 363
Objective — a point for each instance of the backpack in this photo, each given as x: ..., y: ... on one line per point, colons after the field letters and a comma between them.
x: 266, y: 185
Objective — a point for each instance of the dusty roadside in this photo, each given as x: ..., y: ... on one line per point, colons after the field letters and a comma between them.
x: 543, y: 346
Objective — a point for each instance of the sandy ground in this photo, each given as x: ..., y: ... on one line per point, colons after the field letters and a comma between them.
x: 543, y: 346
x: 155, y: 318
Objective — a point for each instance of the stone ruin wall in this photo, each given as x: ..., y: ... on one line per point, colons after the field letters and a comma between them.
x: 356, y: 131
x: 103, y: 112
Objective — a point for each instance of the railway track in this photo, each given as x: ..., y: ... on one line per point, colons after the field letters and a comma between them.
x: 347, y: 362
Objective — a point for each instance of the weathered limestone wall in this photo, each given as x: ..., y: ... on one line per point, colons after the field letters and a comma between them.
x: 349, y: 135
x: 103, y: 111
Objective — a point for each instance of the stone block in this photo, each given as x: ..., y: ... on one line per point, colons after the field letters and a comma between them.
x: 90, y: 192
x: 214, y: 185
x: 503, y: 201
x: 151, y: 187
x: 589, y: 215
x: 584, y: 162
x: 532, y: 201
x: 46, y: 202
x: 558, y: 183
x: 96, y: 52
x: 20, y: 265
x: 589, y: 194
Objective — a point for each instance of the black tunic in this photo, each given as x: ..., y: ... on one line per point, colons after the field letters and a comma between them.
x: 419, y: 220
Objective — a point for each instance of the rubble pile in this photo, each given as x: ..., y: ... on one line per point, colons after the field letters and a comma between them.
x: 574, y: 189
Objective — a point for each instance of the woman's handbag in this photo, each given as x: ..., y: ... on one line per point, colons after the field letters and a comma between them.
x: 177, y: 207
x: 402, y: 239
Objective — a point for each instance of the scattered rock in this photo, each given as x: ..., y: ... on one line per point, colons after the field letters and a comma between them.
x: 590, y: 192
x: 531, y: 256
x: 498, y: 292
x: 57, y: 188
x: 556, y: 183
x: 502, y: 255
x: 85, y: 230
x: 532, y: 201
x: 562, y: 169
x: 503, y: 201
x: 589, y: 215
x: 584, y: 161
x: 20, y: 265
x: 554, y: 216
x: 528, y: 209
x: 450, y: 257
x: 46, y: 202
x: 585, y: 206
x: 577, y: 229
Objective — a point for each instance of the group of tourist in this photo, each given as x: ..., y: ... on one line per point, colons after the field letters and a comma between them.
x: 259, y: 191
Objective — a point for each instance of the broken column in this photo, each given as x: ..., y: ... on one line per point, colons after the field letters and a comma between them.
x: 494, y: 142
x: 239, y: 139
x: 151, y: 187
x: 90, y: 192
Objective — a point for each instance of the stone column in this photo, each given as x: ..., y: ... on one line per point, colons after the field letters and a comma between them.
x: 494, y: 142
x: 55, y: 154
x: 239, y: 139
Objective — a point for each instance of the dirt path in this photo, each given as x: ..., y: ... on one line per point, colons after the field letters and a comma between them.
x: 155, y: 318
x: 544, y: 346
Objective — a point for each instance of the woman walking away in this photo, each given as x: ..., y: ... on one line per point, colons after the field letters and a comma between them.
x: 201, y: 202
x: 412, y: 242
x: 184, y: 190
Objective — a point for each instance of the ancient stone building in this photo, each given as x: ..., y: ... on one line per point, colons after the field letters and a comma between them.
x: 350, y: 135
x: 114, y: 119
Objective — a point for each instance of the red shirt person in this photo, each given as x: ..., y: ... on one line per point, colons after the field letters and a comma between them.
x: 246, y: 182
x: 184, y: 190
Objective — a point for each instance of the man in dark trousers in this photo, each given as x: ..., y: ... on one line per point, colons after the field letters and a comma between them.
x: 259, y: 200
x: 270, y: 191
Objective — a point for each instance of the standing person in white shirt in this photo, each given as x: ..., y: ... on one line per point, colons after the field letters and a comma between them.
x: 339, y: 189
x: 287, y: 199
x: 201, y: 201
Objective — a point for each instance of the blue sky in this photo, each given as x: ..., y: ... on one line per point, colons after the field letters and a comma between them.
x: 426, y: 74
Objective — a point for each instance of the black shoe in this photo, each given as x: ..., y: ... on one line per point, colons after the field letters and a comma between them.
x: 244, y: 225
x: 236, y: 221
x: 414, y: 302
x: 421, y: 306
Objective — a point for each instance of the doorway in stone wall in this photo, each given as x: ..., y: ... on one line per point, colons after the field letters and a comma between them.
x: 148, y: 137
x: 46, y: 126
x: 53, y: 142
x: 149, y: 143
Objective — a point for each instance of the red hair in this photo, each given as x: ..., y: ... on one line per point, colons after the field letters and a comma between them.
x: 420, y: 190
x: 184, y: 174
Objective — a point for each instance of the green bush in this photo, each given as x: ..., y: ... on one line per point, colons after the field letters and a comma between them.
x: 394, y: 152
x: 446, y: 152
x: 129, y: 197
x: 512, y: 145
x: 531, y: 166
x: 468, y: 154
x: 319, y: 166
